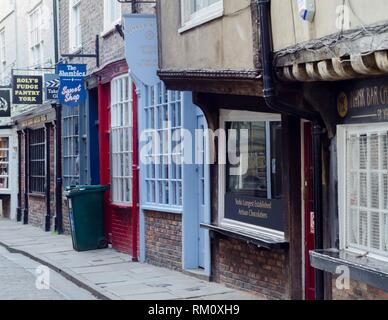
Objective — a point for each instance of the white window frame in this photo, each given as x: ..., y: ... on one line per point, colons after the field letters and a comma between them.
x: 3, y: 56
x: 109, y: 22
x: 7, y: 163
x: 121, y: 106
x: 343, y: 133
x: 246, y: 116
x: 75, y: 28
x: 191, y: 19
x: 158, y: 101
x: 71, y: 146
x: 36, y: 36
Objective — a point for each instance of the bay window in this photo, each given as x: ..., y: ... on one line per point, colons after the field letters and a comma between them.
x: 197, y: 12
x: 363, y: 189
x: 121, y: 140
x: 251, y: 179
x: 163, y: 176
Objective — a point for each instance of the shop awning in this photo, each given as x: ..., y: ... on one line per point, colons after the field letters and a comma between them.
x: 264, y: 241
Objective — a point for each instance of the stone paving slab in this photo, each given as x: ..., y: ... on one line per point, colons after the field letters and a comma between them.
x: 107, y: 273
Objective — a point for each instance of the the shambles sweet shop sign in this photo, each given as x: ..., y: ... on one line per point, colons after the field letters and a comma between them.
x: 72, y: 91
x: 363, y: 101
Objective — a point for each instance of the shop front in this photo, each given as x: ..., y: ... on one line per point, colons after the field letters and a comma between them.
x: 36, y: 178
x: 359, y: 258
x: 117, y: 109
x: 255, y: 225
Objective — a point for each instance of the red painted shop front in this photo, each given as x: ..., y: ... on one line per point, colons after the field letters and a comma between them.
x: 121, y: 221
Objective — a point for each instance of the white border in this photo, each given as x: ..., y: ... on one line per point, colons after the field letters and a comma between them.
x: 190, y: 21
x: 342, y: 133
x: 234, y: 115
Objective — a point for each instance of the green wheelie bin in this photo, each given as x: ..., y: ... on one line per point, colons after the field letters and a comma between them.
x: 86, y: 217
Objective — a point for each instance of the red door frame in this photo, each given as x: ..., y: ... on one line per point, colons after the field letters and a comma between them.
x: 104, y: 143
x: 308, y: 198
x: 104, y: 110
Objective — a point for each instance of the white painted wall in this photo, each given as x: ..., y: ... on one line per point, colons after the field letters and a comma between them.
x: 289, y: 29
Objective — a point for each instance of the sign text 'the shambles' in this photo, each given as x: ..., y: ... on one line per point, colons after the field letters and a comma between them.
x: 27, y: 90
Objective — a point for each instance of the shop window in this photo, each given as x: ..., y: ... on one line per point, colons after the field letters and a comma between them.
x: 163, y: 176
x: 197, y: 12
x: 37, y: 161
x: 70, y: 147
x: 364, y: 189
x: 112, y: 14
x: 251, y: 180
x: 121, y: 140
x: 36, y: 39
x: 75, y: 35
x: 4, y: 163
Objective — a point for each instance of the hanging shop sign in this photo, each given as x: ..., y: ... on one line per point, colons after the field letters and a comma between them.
x: 141, y: 47
x: 5, y: 103
x: 255, y: 211
x: 72, y: 91
x: 27, y: 89
x: 51, y: 82
x: 363, y: 101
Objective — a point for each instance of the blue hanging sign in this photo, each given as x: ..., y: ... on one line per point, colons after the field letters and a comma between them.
x: 72, y: 91
x: 141, y: 47
x: 51, y: 82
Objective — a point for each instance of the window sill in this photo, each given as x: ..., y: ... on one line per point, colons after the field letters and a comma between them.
x: 110, y: 29
x: 364, y: 269
x: 209, y: 15
x: 260, y: 240
x: 75, y: 50
x: 37, y: 195
x: 162, y: 209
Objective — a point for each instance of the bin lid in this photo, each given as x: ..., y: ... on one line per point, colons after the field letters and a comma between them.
x: 78, y: 190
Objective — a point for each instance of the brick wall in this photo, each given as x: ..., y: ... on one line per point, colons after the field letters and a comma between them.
x: 122, y: 230
x: 358, y: 291
x: 163, y: 237
x: 246, y: 267
x: 37, y: 211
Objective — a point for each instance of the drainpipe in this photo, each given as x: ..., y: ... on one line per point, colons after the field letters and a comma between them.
x: 19, y: 209
x: 58, y: 134
x: 48, y: 178
x: 26, y: 174
x: 56, y: 35
x: 273, y: 102
x: 58, y: 161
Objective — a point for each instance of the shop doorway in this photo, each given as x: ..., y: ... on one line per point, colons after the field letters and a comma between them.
x: 201, y: 178
x: 308, y: 211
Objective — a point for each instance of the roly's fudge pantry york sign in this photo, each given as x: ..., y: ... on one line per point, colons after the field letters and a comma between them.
x: 27, y: 90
